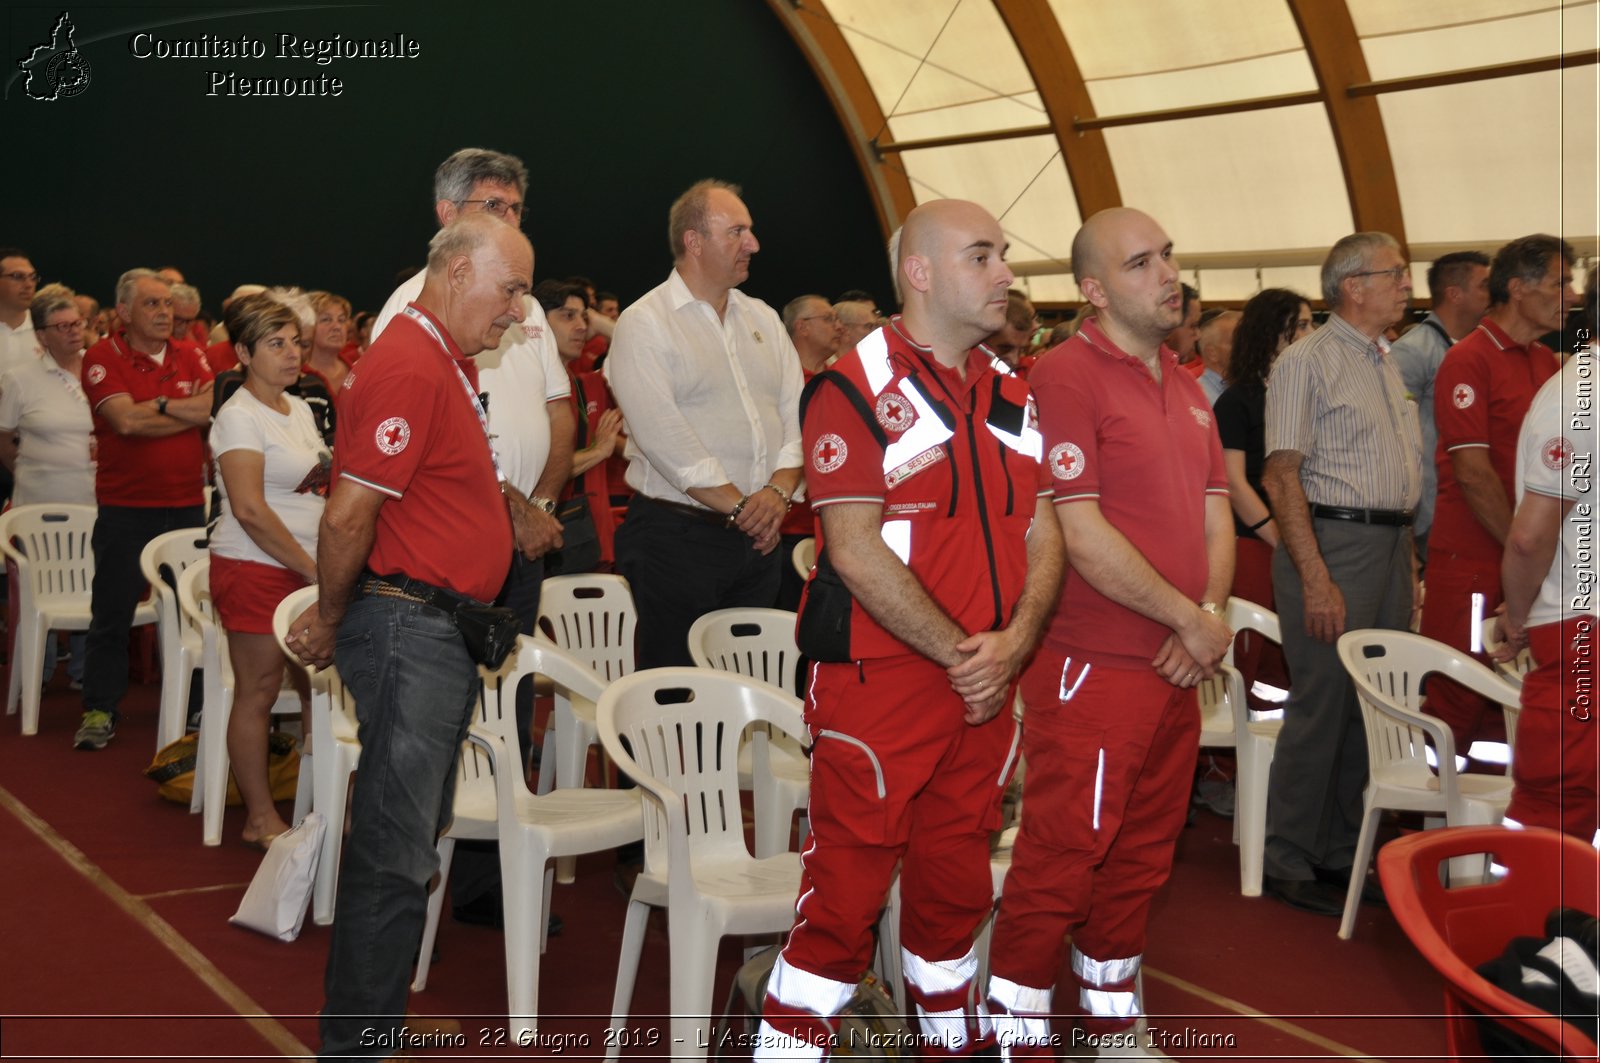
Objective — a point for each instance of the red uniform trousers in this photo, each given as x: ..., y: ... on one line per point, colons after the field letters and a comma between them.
x: 1557, y: 762
x: 897, y: 776
x: 1110, y: 756
x: 1447, y: 618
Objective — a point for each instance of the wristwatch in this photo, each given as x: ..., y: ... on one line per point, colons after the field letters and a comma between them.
x: 161, y: 404
x: 1211, y: 607
x: 546, y: 504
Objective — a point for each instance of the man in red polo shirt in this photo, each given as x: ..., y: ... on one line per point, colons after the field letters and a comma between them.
x: 415, y: 524
x: 1480, y: 396
x: 1112, y: 722
x: 150, y: 396
x: 937, y: 565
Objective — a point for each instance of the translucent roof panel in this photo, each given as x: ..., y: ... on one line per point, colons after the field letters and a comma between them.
x: 1426, y: 38
x: 1236, y: 182
x: 1492, y: 160
x: 1237, y: 285
x: 1022, y: 181
x: 946, y: 66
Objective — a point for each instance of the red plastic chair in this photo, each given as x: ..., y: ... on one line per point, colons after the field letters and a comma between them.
x: 1456, y: 929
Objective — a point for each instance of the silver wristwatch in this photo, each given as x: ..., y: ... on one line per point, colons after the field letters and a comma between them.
x: 546, y: 504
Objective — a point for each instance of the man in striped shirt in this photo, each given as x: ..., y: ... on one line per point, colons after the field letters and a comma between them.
x: 1344, y: 471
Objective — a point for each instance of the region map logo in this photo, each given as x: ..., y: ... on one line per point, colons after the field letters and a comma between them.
x: 56, y: 70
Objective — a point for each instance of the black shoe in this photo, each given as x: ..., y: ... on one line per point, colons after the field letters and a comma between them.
x: 1307, y: 895
x: 487, y: 909
x: 1371, y: 890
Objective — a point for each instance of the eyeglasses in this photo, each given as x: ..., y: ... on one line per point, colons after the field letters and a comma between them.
x: 1397, y: 274
x: 497, y: 207
x: 832, y: 319
x: 65, y: 327
x: 21, y: 277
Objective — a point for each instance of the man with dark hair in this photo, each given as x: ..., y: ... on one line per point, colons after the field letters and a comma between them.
x: 1015, y: 338
x: 1485, y: 385
x: 1550, y: 608
x: 1459, y: 285
x: 938, y: 562
x: 710, y: 387
x: 148, y: 391
x: 1344, y: 471
x: 18, y: 281
x: 1186, y: 336
x: 1112, y: 725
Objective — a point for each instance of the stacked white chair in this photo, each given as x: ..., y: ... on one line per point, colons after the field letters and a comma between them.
x: 211, y: 766
x: 164, y: 557
x: 592, y: 617
x: 1388, y: 669
x: 50, y: 545
x: 492, y: 801
x: 334, y: 755
x: 804, y: 557
x: 760, y: 643
x: 683, y: 727
x: 1255, y: 741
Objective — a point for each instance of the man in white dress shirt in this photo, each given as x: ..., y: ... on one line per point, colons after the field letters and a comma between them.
x: 709, y: 384
x: 18, y: 282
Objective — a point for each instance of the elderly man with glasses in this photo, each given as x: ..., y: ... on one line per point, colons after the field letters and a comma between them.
x: 1344, y: 471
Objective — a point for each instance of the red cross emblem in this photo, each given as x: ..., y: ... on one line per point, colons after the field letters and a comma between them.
x: 895, y: 414
x: 828, y: 453
x: 393, y: 435
x: 1463, y: 396
x: 1556, y: 452
x: 1066, y: 461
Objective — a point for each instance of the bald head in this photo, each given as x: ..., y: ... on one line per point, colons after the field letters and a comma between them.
x: 1089, y: 247
x: 1122, y: 259
x: 951, y: 268
x: 479, y: 272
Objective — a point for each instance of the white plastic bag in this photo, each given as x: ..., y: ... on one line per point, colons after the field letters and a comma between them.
x: 276, y: 902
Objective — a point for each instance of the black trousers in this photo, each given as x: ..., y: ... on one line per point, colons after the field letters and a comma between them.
x: 120, y: 535
x: 681, y: 567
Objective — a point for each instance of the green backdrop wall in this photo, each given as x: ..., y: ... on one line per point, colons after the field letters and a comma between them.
x: 615, y: 105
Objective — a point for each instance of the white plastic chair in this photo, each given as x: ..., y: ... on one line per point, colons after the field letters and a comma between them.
x: 211, y: 766
x: 592, y: 617
x: 50, y: 545
x: 759, y: 643
x: 1388, y: 668
x: 1514, y: 669
x: 335, y: 754
x: 804, y: 557
x: 167, y: 555
x: 1255, y: 741
x: 683, y: 727
x: 492, y: 801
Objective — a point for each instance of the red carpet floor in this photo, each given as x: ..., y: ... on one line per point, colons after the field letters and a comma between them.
x: 114, y: 918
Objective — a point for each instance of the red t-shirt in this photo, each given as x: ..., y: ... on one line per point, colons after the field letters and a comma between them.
x: 958, y: 494
x: 221, y: 356
x: 1148, y: 454
x: 1480, y: 396
x: 143, y: 470
x: 408, y: 430
x: 1196, y: 368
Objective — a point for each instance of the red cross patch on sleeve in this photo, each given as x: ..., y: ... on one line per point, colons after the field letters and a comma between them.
x: 393, y: 435
x: 829, y: 453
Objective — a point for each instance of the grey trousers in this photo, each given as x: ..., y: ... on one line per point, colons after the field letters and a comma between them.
x: 1320, y: 767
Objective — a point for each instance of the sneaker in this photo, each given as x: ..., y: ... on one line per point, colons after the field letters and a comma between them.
x: 1215, y: 794
x: 97, y: 729
x: 74, y: 684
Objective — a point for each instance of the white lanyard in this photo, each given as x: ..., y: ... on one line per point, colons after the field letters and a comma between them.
x: 483, y: 417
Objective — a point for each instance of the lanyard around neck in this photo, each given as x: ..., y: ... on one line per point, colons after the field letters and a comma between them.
x: 472, y: 396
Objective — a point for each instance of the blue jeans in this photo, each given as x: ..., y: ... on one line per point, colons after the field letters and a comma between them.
x: 415, y: 690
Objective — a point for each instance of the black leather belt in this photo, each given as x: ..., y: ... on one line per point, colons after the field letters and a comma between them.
x: 412, y: 590
x: 694, y: 512
x: 1400, y: 518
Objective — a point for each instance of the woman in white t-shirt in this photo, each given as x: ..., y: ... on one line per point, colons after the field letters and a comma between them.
x: 272, y: 468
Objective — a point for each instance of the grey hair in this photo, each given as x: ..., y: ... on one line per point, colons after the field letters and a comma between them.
x: 1347, y: 258
x: 126, y: 282
x: 296, y: 300
x: 464, y: 236
x: 48, y: 300
x: 894, y: 262
x: 454, y: 178
x: 792, y: 310
x: 689, y: 211
x: 185, y: 293
x: 1526, y: 259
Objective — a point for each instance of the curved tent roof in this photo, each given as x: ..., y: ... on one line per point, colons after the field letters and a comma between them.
x: 1257, y: 131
